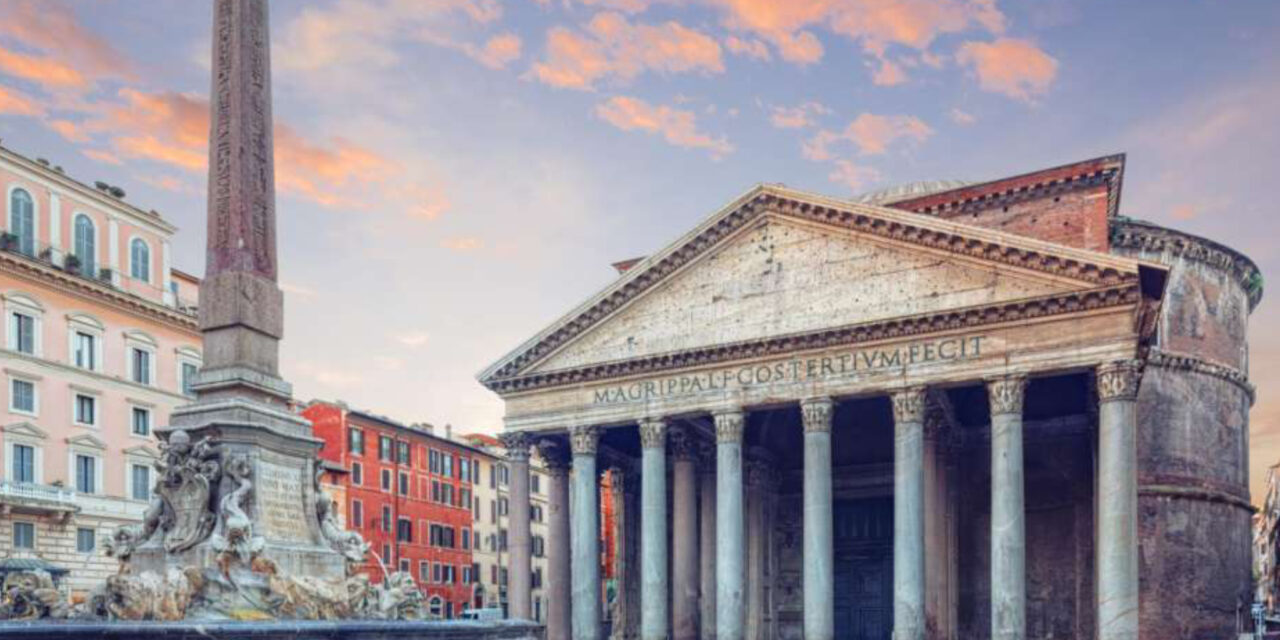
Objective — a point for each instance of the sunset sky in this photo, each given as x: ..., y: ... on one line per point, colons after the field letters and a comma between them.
x: 455, y: 174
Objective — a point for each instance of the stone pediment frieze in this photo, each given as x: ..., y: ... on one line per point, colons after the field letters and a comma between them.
x: 781, y: 270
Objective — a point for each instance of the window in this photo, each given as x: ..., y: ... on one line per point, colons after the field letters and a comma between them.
x: 402, y: 452
x: 140, y: 365
x: 86, y: 409
x: 384, y: 448
x: 404, y: 530
x: 535, y: 513
x: 22, y: 220
x: 475, y: 510
x: 24, y: 463
x: 441, y: 536
x: 404, y: 565
x: 504, y: 507
x: 475, y: 471
x: 464, y: 469
x: 85, y: 346
x: 538, y: 546
x: 493, y: 511
x: 22, y: 333
x: 357, y: 514
x: 141, y: 421
x: 435, y: 491
x: 140, y: 475
x: 535, y: 479
x: 424, y: 571
x: 386, y: 479
x: 22, y: 397
x: 355, y: 441
x: 24, y: 535
x: 86, y: 540
x: 357, y: 473
x: 493, y: 476
x: 386, y: 552
x: 466, y: 575
x: 386, y: 518
x: 433, y: 461
x: 85, y: 244
x: 536, y: 582
x: 403, y: 484
x: 140, y: 260
x: 466, y: 539
x: 188, y: 374
x: 446, y: 465
x: 86, y: 474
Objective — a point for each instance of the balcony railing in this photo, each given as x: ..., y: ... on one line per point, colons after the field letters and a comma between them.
x: 88, y: 269
x: 38, y: 498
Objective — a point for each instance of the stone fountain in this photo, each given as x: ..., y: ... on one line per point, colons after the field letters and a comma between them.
x: 239, y: 528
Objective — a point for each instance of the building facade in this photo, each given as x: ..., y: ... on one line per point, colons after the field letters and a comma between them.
x: 100, y: 345
x: 411, y: 494
x: 492, y: 548
x: 995, y: 410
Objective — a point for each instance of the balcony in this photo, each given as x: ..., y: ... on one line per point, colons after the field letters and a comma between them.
x: 60, y: 259
x: 37, y: 499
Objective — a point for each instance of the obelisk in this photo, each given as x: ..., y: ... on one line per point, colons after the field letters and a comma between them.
x: 266, y: 455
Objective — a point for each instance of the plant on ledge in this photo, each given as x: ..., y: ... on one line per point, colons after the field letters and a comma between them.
x: 8, y: 241
x: 72, y: 263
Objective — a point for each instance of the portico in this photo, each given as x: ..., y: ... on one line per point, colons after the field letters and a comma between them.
x: 860, y: 374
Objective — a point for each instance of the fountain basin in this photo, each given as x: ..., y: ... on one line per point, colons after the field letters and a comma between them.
x: 274, y: 630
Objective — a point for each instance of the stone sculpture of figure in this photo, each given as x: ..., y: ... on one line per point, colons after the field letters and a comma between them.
x: 186, y: 473
x: 29, y: 595
x: 349, y: 543
x: 233, y: 538
x: 397, y: 598
x: 149, y: 595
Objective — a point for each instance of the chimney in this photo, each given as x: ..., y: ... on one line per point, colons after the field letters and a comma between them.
x: 448, y: 431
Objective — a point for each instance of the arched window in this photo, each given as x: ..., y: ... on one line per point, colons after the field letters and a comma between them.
x: 140, y: 260
x: 22, y: 220
x: 85, y: 246
x: 435, y: 606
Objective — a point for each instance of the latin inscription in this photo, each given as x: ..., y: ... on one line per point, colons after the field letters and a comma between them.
x: 280, y: 497
x: 796, y: 370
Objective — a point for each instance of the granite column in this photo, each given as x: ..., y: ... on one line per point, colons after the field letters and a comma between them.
x: 684, y: 538
x: 653, y: 535
x: 1008, y: 510
x: 908, y: 514
x: 730, y: 528
x: 555, y: 459
x: 584, y: 534
x: 819, y: 578
x: 519, y: 539
x: 1117, y: 545
x: 707, y: 544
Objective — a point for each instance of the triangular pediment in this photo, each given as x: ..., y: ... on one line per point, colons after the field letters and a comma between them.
x: 782, y: 263
x: 24, y: 429
x: 87, y: 441
x: 142, y: 451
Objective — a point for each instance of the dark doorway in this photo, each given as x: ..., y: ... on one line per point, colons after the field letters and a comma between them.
x: 864, y: 569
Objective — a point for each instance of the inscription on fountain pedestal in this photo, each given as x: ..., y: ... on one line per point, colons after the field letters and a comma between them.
x: 281, y: 494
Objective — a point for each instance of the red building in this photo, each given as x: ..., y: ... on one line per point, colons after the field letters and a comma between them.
x: 409, y: 493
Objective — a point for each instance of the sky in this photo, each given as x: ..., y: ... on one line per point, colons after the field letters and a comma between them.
x: 454, y: 175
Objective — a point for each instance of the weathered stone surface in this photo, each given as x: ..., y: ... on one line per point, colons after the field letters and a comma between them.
x: 787, y: 277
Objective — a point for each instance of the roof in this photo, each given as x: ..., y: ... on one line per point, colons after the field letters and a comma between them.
x: 767, y: 199
x: 909, y: 190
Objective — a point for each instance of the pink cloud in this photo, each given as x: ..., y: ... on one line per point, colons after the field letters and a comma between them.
x: 873, y: 134
x: 611, y: 47
x: 51, y: 27
x: 888, y: 74
x: 853, y: 176
x: 100, y: 155
x: 678, y: 127
x: 461, y: 243
x: 797, y: 117
x: 14, y: 102
x: 748, y: 47
x: 1016, y: 68
x: 499, y: 51
x: 960, y: 116
x: 46, y: 72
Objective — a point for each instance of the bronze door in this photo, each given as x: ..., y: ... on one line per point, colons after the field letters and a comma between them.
x: 864, y: 569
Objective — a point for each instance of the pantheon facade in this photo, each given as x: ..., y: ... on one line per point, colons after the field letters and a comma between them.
x: 994, y: 410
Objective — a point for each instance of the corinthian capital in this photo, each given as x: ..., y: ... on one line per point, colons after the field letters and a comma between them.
x: 1119, y: 380
x: 1006, y: 394
x: 555, y: 456
x: 729, y: 426
x: 653, y: 433
x: 584, y: 440
x: 683, y: 445
x: 816, y: 413
x: 517, y: 444
x: 908, y: 405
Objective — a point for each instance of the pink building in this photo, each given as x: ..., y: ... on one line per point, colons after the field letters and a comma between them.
x: 100, y: 340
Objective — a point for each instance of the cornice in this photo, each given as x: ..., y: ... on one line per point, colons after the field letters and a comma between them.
x: 76, y: 285
x: 1098, y: 270
x: 1151, y: 238
x: 899, y: 327
x: 1109, y: 177
x: 1180, y: 362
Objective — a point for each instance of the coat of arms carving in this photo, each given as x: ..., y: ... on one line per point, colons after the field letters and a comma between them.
x: 188, y: 474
